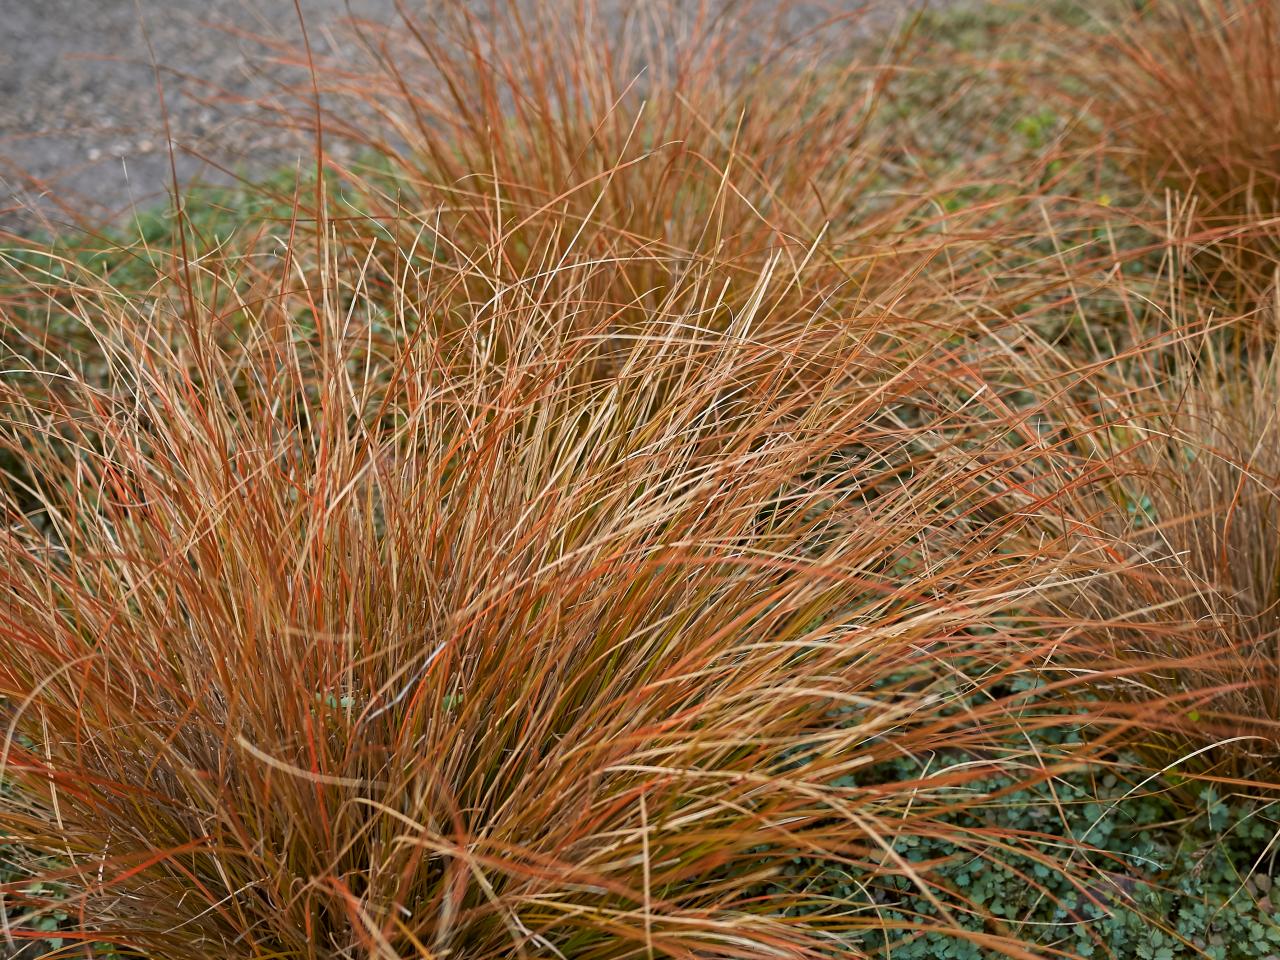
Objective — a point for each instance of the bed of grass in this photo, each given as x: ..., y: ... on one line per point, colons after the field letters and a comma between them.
x: 685, y: 490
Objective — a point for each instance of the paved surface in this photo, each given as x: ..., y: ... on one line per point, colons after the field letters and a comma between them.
x: 79, y: 108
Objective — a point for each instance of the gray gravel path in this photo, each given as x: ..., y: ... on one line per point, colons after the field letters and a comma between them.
x: 79, y: 108
x: 79, y: 116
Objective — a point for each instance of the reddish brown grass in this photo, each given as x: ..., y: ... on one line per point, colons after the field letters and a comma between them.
x: 1188, y: 98
x: 537, y: 546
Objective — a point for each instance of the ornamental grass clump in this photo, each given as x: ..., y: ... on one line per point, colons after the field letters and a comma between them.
x: 551, y: 537
x: 1184, y: 525
x: 664, y: 137
x: 1187, y: 96
x: 320, y: 647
